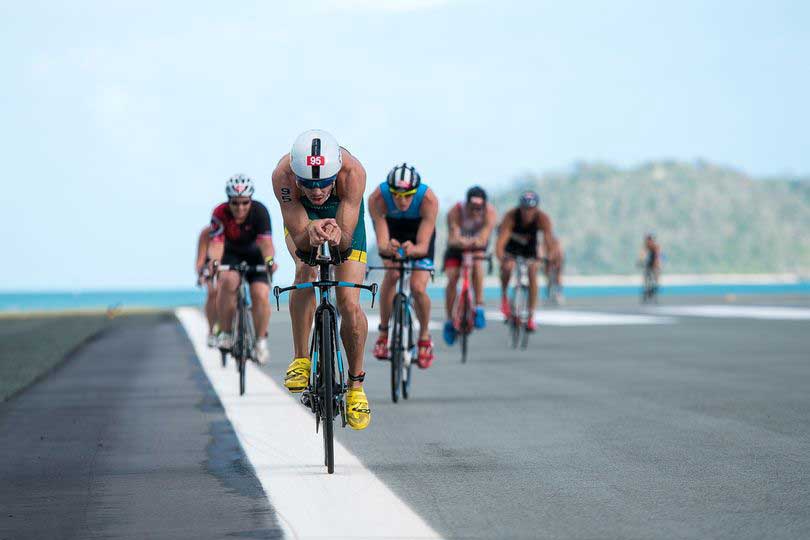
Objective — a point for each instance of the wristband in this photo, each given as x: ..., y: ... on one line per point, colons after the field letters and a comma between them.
x: 268, y: 260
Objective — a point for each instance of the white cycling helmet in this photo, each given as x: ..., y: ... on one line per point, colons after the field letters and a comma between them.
x: 315, y: 158
x: 239, y: 185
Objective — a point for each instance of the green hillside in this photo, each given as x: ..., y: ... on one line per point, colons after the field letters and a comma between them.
x: 707, y: 218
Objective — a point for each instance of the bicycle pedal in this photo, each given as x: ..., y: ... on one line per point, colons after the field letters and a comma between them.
x: 306, y: 400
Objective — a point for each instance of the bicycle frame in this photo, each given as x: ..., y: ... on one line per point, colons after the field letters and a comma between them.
x: 401, y: 351
x: 464, y: 310
x: 324, y: 396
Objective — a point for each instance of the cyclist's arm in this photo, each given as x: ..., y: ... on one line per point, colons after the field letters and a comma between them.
x: 377, y: 209
x: 264, y: 238
x: 202, y: 248
x: 429, y: 211
x: 549, y: 240
x: 454, y: 227
x: 504, y: 231
x: 216, y: 243
x: 490, y: 220
x: 351, y: 198
x: 292, y: 211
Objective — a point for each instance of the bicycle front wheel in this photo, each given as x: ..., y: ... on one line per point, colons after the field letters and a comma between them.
x: 326, y: 368
x: 396, y: 350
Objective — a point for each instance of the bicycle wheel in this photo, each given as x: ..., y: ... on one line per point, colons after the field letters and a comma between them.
x: 406, y: 369
x: 243, y: 348
x: 396, y: 350
x: 464, y: 327
x: 224, y: 355
x: 514, y: 317
x: 524, y: 308
x: 326, y: 363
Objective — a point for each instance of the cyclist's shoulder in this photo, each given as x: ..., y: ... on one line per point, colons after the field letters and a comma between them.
x: 220, y: 211
x: 260, y: 207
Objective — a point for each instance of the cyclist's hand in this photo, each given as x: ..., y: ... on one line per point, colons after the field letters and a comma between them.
x: 393, y: 246
x: 333, y: 233
x: 316, y: 230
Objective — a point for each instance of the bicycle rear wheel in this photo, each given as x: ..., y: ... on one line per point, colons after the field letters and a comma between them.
x: 326, y: 365
x: 524, y: 309
x: 396, y: 350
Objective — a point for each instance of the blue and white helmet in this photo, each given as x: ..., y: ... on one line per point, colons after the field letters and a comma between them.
x: 239, y: 185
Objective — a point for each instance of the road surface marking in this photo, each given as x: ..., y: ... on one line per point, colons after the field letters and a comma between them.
x: 744, y: 312
x: 554, y: 317
x: 278, y: 436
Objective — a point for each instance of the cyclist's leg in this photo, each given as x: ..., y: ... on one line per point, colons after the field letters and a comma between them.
x: 478, y: 293
x: 452, y: 273
x: 387, y: 291
x: 507, y: 266
x: 532, y: 270
x: 302, y: 304
x: 227, y: 283
x: 421, y: 302
x: 260, y: 300
x: 353, y: 322
x: 211, y: 305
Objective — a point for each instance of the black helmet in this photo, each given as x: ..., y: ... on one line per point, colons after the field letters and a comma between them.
x: 529, y: 199
x: 403, y: 178
x: 476, y: 191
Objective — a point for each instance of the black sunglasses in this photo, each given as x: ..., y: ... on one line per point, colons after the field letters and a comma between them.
x: 238, y: 203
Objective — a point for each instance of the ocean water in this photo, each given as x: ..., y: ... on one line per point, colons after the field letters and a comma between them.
x: 58, y: 301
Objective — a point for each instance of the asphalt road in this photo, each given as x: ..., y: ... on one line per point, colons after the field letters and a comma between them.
x: 696, y: 428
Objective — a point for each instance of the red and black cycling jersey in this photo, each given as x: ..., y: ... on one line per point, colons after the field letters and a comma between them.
x: 240, y: 238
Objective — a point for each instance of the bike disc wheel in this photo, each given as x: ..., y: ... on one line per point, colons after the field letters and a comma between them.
x: 326, y: 368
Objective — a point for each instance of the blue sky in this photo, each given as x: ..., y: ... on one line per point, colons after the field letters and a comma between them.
x: 122, y: 121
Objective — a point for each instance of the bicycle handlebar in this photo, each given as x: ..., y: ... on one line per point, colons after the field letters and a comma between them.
x: 277, y: 291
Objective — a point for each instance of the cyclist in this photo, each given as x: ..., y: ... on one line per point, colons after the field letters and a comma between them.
x: 469, y: 226
x: 650, y: 256
x: 404, y: 212
x: 517, y: 237
x: 210, y: 294
x: 319, y: 186
x: 241, y: 232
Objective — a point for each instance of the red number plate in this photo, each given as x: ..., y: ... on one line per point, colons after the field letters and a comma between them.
x: 316, y: 161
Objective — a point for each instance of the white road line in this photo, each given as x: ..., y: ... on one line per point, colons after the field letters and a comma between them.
x: 278, y: 436
x: 586, y: 318
x: 744, y: 312
x: 374, y: 322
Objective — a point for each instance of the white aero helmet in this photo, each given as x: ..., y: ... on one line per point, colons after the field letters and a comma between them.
x: 315, y: 158
x: 239, y: 185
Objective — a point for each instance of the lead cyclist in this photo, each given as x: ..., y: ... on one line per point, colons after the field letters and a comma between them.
x: 319, y: 186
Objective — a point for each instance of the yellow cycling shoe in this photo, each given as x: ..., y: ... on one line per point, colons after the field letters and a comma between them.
x: 358, y: 414
x: 297, y: 377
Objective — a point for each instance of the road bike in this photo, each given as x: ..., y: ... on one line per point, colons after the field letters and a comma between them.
x: 649, y: 290
x: 326, y: 390
x: 402, y: 344
x: 243, y: 346
x: 464, y: 310
x: 519, y: 305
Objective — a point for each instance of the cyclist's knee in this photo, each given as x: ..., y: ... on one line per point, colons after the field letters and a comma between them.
x: 228, y: 282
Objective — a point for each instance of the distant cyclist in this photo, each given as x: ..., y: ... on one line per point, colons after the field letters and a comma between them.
x: 241, y: 232
x: 204, y: 279
x: 319, y: 186
x: 404, y: 212
x: 469, y: 225
x: 518, y: 237
x: 650, y: 258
